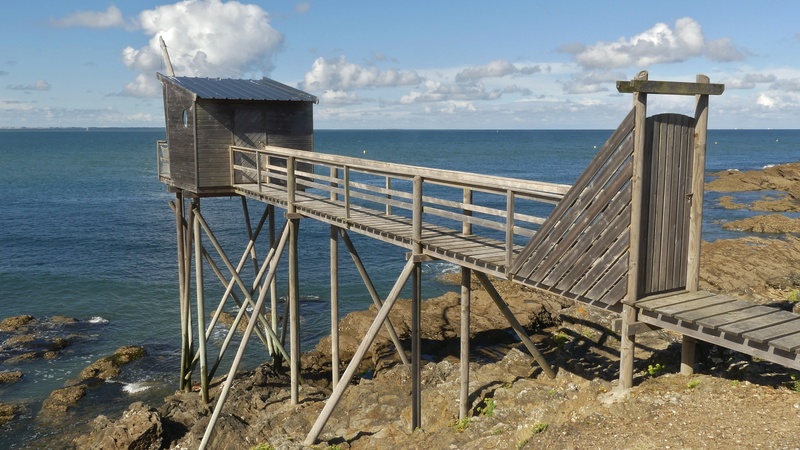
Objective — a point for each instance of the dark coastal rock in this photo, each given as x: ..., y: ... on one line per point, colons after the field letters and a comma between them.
x: 772, y: 223
x: 12, y: 324
x: 139, y: 428
x: 8, y: 413
x: 10, y: 376
x: 62, y: 400
x: 109, y: 366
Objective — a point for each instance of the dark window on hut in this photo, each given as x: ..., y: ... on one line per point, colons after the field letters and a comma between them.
x: 185, y: 118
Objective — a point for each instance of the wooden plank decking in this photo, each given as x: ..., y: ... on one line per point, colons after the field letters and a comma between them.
x: 765, y: 332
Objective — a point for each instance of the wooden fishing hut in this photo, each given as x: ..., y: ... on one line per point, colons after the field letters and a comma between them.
x: 206, y: 116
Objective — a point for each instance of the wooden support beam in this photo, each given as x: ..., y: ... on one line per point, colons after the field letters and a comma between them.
x: 226, y: 387
x: 350, y: 371
x: 362, y: 270
x: 515, y: 325
x: 334, y: 244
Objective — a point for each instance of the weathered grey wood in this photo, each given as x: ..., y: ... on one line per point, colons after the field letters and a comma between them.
x: 515, y: 325
x: 667, y: 299
x: 629, y: 313
x: 201, y: 314
x: 294, y: 308
x: 672, y: 310
x: 775, y: 331
x: 790, y: 343
x: 223, y: 395
x: 776, y: 317
x: 334, y: 249
x: 735, y: 316
x: 466, y: 295
x: 608, y: 149
x: 645, y: 86
x: 362, y: 270
x: 711, y: 311
x: 697, y: 187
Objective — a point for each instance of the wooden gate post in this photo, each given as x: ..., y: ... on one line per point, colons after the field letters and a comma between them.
x: 696, y: 214
x: 628, y: 339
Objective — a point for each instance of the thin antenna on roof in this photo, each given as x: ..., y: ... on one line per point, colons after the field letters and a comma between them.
x: 165, y: 55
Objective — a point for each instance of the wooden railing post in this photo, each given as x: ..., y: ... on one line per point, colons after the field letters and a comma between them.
x: 388, y: 196
x: 509, y: 228
x: 258, y: 170
x: 346, y: 192
x: 466, y: 227
x: 291, y: 184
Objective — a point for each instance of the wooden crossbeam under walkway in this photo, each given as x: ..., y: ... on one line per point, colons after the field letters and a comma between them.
x: 760, y: 331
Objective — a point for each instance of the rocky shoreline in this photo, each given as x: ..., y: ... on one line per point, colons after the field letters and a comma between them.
x: 733, y: 402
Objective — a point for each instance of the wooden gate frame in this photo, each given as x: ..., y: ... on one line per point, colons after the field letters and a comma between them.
x: 640, y: 86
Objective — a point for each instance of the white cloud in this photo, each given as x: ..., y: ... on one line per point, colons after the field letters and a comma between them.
x: 338, y: 97
x: 591, y: 82
x: 110, y: 18
x: 657, y: 45
x: 38, y: 85
x: 749, y: 81
x: 338, y: 74
x: 497, y: 68
x: 206, y: 38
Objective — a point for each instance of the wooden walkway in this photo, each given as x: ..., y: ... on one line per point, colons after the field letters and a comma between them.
x: 625, y: 237
x: 762, y: 331
x: 468, y: 250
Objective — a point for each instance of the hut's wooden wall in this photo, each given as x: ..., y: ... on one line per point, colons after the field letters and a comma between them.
x: 180, y: 137
x: 221, y: 124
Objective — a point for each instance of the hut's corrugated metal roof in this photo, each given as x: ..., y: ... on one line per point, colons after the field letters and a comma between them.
x: 239, y: 89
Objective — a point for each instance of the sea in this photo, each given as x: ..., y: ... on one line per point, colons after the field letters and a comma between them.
x: 86, y: 232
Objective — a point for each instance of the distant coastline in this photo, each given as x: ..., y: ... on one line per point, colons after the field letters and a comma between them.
x: 83, y: 129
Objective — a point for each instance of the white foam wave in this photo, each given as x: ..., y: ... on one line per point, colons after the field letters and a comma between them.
x: 135, y: 387
x: 768, y: 166
x: 98, y: 319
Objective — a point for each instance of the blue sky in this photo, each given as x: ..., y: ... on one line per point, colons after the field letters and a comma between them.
x: 408, y: 64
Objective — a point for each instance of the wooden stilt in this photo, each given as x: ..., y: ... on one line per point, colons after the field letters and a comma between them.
x: 239, y: 280
x: 515, y: 325
x: 416, y: 347
x: 466, y: 294
x: 293, y: 293
x: 350, y: 371
x: 294, y: 310
x: 416, y: 307
x: 628, y: 339
x: 198, y: 252
x: 334, y: 242
x: 178, y: 208
x: 240, y: 353
x: 273, y: 285
x: 373, y: 293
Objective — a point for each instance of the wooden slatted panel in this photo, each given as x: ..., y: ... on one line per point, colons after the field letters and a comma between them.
x: 666, y: 181
x: 581, y: 249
